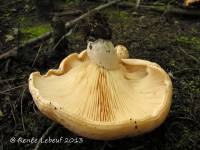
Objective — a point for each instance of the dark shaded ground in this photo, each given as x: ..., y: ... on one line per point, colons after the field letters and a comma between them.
x: 167, y: 40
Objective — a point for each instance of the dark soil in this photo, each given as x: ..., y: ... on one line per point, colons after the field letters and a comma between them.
x: 171, y: 41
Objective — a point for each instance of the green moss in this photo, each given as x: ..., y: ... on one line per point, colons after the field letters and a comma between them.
x: 172, y: 63
x: 35, y: 31
x: 75, y: 36
x: 193, y: 41
x: 27, y: 21
x: 191, y: 86
x: 188, y: 138
x: 72, y: 2
x: 194, y: 30
x: 122, y: 14
x: 117, y: 14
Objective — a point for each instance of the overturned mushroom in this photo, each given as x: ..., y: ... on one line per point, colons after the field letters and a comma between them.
x: 100, y: 96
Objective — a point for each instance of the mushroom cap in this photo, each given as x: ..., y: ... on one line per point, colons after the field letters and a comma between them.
x: 122, y: 52
x: 103, y: 104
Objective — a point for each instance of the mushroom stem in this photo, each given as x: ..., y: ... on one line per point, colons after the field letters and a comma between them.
x: 103, y: 53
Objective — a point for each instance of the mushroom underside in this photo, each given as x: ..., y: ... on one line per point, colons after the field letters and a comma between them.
x: 138, y: 91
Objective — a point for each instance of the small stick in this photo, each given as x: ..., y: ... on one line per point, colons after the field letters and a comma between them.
x: 137, y: 4
x: 186, y: 69
x: 161, y: 9
x: 12, y: 79
x: 21, y: 100
x: 138, y: 147
x: 104, y: 145
x: 44, y: 135
x: 10, y: 53
x: 13, y: 52
x: 7, y: 65
x: 70, y: 13
x: 5, y: 80
x: 2, y: 92
x: 70, y: 23
x: 40, y: 48
x: 192, y: 57
x: 1, y: 140
x: 62, y: 38
x: 12, y: 111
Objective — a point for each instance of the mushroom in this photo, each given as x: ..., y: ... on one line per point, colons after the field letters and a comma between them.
x: 122, y: 52
x: 97, y: 95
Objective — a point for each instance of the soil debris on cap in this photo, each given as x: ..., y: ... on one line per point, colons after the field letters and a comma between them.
x: 96, y: 27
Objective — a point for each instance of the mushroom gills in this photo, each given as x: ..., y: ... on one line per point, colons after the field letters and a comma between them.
x: 93, y: 93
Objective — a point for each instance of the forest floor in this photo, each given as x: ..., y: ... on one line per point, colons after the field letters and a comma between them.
x: 171, y: 41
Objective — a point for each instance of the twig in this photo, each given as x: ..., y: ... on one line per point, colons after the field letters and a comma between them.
x: 6, y: 80
x: 35, y: 109
x: 47, y: 35
x: 186, y: 70
x: 12, y: 110
x: 8, y: 90
x: 7, y: 65
x: 12, y: 79
x: 12, y: 3
x: 70, y: 23
x: 161, y: 9
x: 18, y: 35
x: 104, y: 145
x: 40, y: 48
x: 60, y: 40
x: 188, y: 119
x: 10, y: 53
x: 44, y: 135
x: 138, y: 147
x: 21, y: 100
x: 192, y: 57
x: 70, y: 13
x: 13, y: 52
x: 1, y: 140
x: 137, y: 4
